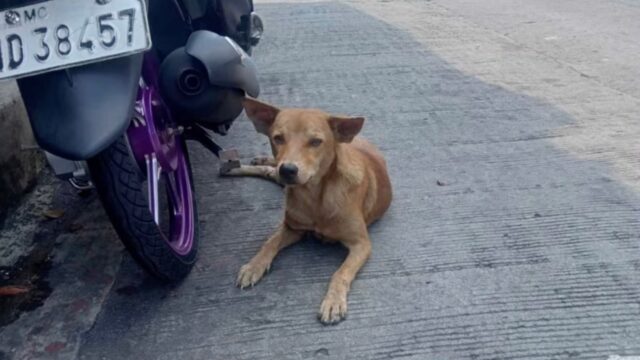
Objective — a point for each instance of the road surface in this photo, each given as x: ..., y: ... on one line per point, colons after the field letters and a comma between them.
x: 510, y: 128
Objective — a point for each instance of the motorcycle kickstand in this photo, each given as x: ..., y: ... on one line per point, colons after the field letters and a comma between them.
x: 230, y: 159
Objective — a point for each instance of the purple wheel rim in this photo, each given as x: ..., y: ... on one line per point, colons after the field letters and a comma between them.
x: 157, y: 145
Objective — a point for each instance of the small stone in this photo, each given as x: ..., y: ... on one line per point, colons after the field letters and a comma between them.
x: 322, y: 352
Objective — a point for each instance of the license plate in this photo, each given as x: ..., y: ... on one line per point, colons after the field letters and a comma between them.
x: 59, y: 34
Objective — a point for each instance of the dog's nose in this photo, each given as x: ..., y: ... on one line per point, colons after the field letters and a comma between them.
x: 288, y: 172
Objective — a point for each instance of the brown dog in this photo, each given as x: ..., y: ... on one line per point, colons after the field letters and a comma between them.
x: 336, y: 185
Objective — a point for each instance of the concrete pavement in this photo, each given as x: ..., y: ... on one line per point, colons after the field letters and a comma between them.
x: 514, y: 232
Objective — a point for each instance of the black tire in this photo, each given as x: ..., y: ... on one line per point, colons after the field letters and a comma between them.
x: 119, y: 184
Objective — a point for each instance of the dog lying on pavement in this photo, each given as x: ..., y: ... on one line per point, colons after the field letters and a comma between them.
x: 336, y: 185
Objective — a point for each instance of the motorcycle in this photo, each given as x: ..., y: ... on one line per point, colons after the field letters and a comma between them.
x: 115, y: 88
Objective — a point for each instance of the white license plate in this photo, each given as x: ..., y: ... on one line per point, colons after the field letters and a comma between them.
x: 59, y: 34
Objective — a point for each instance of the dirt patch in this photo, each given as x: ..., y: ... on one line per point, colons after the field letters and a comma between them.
x: 31, y: 268
x: 31, y: 272
x: 18, y: 175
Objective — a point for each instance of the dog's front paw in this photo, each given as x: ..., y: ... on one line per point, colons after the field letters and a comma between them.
x: 250, y: 274
x: 333, y: 309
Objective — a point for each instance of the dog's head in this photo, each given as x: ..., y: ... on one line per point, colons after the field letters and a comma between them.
x: 304, y: 141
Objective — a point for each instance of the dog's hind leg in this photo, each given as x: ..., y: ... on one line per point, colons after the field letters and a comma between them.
x: 261, y: 171
x: 264, y: 160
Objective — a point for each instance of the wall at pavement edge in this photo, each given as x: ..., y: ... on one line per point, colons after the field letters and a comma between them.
x: 20, y: 161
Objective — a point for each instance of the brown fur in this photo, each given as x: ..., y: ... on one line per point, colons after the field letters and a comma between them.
x: 341, y: 187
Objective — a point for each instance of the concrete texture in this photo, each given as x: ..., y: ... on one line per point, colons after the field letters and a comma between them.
x: 68, y: 264
x: 20, y: 163
x: 513, y: 233
x: 77, y: 286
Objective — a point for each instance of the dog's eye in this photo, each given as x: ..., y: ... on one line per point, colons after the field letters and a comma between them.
x: 315, y: 142
x: 278, y: 139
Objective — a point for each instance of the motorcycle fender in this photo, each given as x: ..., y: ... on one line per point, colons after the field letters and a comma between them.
x: 227, y: 65
x: 78, y: 112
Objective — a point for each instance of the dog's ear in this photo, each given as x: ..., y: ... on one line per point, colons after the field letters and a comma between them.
x: 346, y: 128
x: 261, y: 114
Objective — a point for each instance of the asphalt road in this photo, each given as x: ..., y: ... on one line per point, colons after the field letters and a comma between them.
x: 510, y: 130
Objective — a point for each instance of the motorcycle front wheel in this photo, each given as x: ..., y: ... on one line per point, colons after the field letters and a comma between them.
x: 153, y: 211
